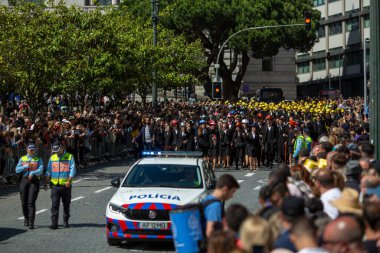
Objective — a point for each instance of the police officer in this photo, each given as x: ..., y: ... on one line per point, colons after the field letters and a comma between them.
x: 60, y: 171
x: 299, y: 144
x: 30, y: 167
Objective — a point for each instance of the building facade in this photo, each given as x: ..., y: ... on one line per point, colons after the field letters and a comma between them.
x: 336, y: 61
x: 277, y: 71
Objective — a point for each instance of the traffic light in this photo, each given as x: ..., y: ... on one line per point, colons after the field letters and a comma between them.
x: 217, y: 90
x: 307, y: 17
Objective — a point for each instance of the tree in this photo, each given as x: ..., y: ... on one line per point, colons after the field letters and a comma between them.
x: 57, y: 49
x: 213, y: 21
x: 27, y: 49
x: 95, y: 59
x: 173, y: 58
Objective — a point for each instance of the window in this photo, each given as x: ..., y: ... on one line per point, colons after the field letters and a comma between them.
x: 352, y: 24
x: 335, y: 28
x: 366, y: 21
x: 303, y: 67
x: 335, y: 50
x: 335, y: 16
x: 321, y: 32
x: 164, y: 175
x: 303, y: 56
x: 331, y: 1
x: 319, y: 64
x: 319, y: 53
x: 319, y: 2
x: 103, y: 2
x: 354, y: 58
x: 98, y: 2
x: 335, y: 61
x: 267, y: 64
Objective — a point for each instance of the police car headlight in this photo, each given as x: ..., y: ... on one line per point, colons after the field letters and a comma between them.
x: 115, y: 208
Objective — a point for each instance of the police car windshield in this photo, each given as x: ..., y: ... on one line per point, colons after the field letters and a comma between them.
x: 164, y: 175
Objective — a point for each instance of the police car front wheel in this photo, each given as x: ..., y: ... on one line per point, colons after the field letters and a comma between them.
x: 113, y: 242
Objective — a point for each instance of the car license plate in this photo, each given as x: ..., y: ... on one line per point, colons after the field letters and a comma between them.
x: 153, y: 225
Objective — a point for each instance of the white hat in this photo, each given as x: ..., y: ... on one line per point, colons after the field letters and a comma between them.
x: 65, y: 121
x: 323, y: 139
x: 245, y: 121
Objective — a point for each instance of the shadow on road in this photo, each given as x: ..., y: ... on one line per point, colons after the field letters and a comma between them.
x: 87, y: 225
x: 6, y: 233
x: 148, y: 246
x: 75, y: 225
x: 90, y: 171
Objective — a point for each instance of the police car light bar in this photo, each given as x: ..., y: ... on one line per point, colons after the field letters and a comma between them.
x: 173, y: 153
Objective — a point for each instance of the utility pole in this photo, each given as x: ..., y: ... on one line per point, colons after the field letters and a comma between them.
x: 329, y: 79
x: 374, y: 65
x: 365, y: 73
x: 155, y: 9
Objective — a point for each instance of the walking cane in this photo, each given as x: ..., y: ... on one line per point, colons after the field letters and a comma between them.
x: 286, y: 152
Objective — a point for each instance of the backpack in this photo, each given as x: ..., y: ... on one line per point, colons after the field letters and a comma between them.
x: 202, y: 244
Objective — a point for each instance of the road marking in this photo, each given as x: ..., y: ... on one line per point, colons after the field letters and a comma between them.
x: 240, y: 181
x: 77, y: 181
x: 78, y: 198
x: 257, y: 188
x: 38, y: 212
x: 104, y: 189
x: 263, y: 181
x: 249, y: 174
x: 41, y: 211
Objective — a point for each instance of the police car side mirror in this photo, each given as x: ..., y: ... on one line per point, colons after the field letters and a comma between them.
x: 115, y: 182
x: 212, y: 184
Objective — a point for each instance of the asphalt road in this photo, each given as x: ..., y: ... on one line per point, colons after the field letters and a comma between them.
x: 90, y: 195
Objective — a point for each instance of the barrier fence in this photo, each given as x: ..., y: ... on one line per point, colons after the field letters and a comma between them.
x: 94, y: 150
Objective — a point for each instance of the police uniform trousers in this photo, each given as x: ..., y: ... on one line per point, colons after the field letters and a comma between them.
x: 59, y: 192
x: 28, y: 194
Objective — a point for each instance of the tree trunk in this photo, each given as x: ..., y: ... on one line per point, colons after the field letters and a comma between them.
x: 3, y: 102
x: 231, y: 87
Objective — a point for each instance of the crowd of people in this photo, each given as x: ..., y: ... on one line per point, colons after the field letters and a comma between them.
x: 91, y: 133
x: 328, y: 202
x: 323, y: 192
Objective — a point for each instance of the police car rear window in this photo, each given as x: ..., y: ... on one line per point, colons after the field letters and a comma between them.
x: 164, y: 175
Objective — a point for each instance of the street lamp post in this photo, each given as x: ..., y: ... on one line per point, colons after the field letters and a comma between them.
x: 155, y: 9
x: 374, y: 103
x: 340, y: 77
x: 329, y: 79
x: 365, y: 72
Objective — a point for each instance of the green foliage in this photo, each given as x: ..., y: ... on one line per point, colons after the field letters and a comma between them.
x: 213, y: 21
x: 59, y: 49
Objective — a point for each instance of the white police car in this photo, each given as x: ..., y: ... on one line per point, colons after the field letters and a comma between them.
x: 139, y: 210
